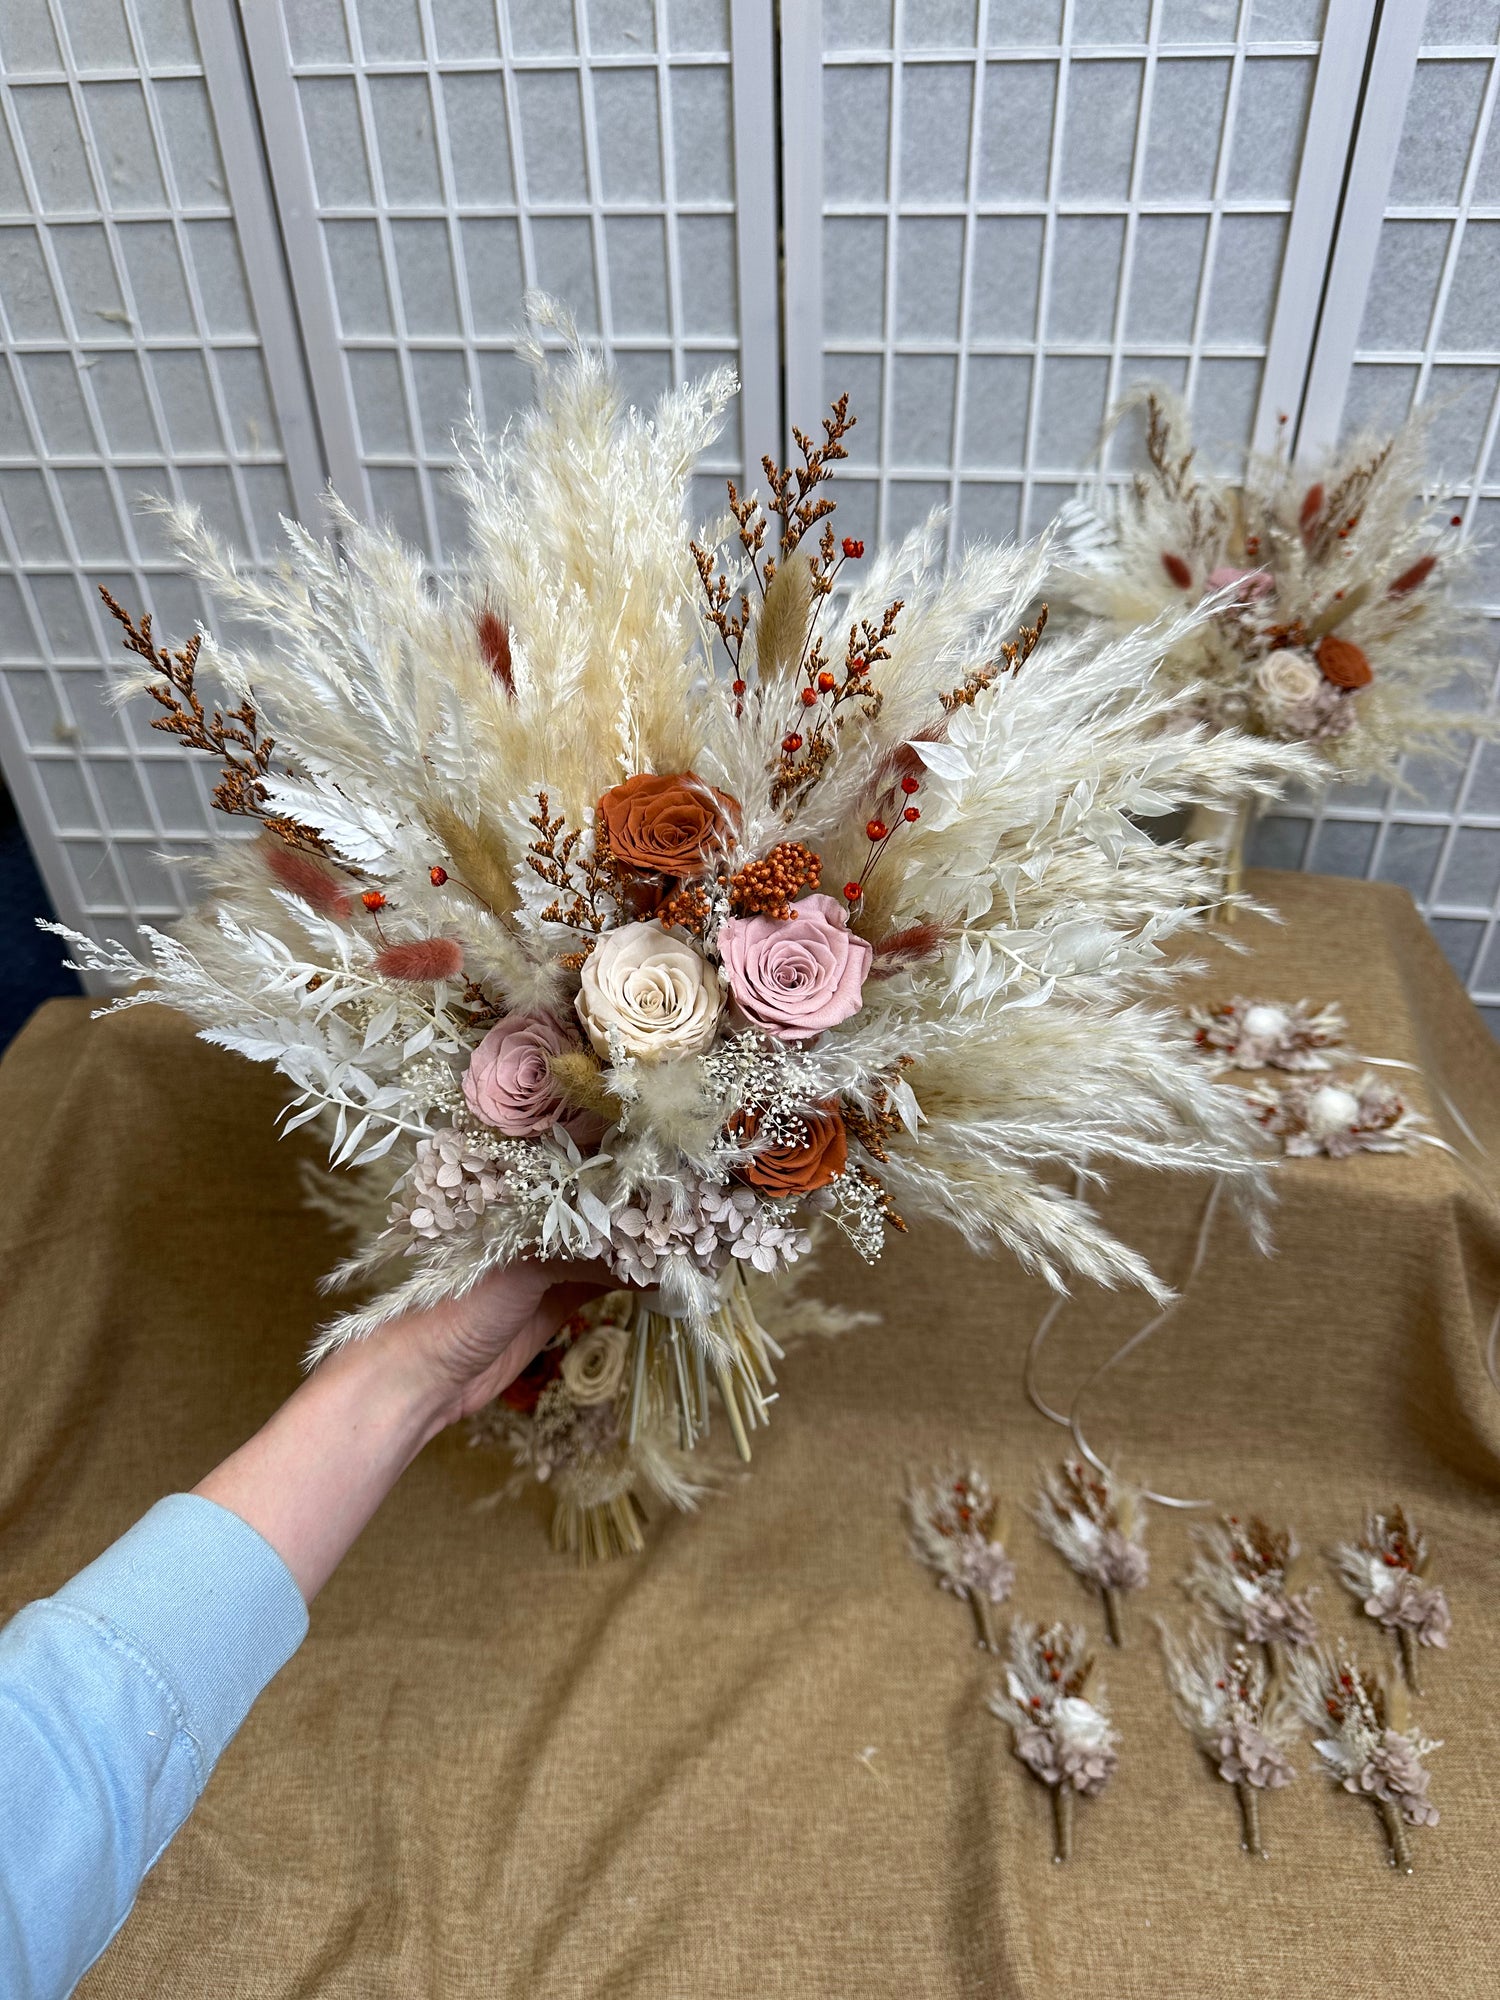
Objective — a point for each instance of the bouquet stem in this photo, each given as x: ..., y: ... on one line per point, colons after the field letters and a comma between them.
x: 731, y: 1404
x: 1228, y: 830
x: 1406, y: 1640
x: 1249, y: 1799
x: 983, y: 1622
x: 1062, y: 1822
x: 1111, y: 1598
x: 1395, y: 1833
x: 674, y: 1359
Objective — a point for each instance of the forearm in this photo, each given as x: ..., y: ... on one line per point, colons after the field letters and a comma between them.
x: 311, y: 1478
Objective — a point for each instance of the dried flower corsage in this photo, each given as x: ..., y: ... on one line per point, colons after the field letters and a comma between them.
x: 1361, y: 1734
x: 1059, y: 1733
x: 955, y: 1532
x: 1384, y: 1570
x: 1269, y: 1034
x: 1097, y: 1524
x: 1239, y: 1577
x: 1240, y: 1720
x: 1337, y: 1118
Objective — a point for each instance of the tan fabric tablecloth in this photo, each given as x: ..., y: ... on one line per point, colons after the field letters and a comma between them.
x: 757, y: 1761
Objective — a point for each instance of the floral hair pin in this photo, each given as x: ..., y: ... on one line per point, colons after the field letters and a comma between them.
x: 1269, y: 1034
x: 1384, y: 1570
x: 1243, y: 1724
x: 1361, y: 1735
x: 1240, y: 1577
x: 1337, y: 1118
x: 955, y: 1532
x: 1097, y: 1524
x: 1060, y: 1732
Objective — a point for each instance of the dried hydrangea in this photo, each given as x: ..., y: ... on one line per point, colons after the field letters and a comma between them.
x: 703, y: 1224
x: 954, y: 1522
x: 1097, y: 1524
x: 1269, y: 1034
x: 1384, y: 1571
x: 452, y: 1181
x: 1060, y: 1731
x: 1362, y: 1115
x: 1360, y: 1734
x: 1239, y: 1576
x: 1239, y: 1719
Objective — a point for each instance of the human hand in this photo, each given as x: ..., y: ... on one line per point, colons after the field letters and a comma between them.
x: 471, y: 1348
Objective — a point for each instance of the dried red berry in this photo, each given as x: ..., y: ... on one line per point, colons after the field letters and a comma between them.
x: 439, y: 876
x: 909, y: 784
x: 911, y: 815
x: 853, y: 549
x: 791, y: 743
x: 808, y: 697
x: 373, y: 900
x: 852, y: 892
x: 827, y: 682
x: 876, y: 829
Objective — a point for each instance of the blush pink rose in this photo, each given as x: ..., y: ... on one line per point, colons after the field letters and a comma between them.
x: 798, y: 977
x: 509, y: 1081
x: 1252, y: 582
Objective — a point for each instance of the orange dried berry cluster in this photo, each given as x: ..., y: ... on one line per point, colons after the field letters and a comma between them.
x: 768, y: 887
x: 688, y: 907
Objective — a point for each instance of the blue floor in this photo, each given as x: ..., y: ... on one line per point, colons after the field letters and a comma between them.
x: 31, y: 969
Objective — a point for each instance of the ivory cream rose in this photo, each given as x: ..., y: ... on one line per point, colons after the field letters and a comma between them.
x: 1287, y: 681
x: 594, y: 1366
x: 658, y: 991
x: 798, y: 977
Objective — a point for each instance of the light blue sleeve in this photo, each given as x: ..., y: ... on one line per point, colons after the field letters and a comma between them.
x: 116, y: 1698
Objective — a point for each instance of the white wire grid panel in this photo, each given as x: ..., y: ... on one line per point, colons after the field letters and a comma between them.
x: 133, y: 365
x: 1029, y: 205
x: 1424, y: 220
x: 434, y: 159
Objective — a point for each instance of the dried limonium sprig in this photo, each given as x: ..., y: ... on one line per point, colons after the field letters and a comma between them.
x: 1337, y: 1117
x: 1361, y: 1733
x: 1097, y: 1524
x: 1059, y: 1720
x: 956, y: 1533
x: 1240, y: 1577
x: 1269, y: 1034
x: 1242, y: 1722
x: 1384, y: 1570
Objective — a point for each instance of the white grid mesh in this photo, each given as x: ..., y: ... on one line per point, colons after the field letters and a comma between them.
x: 457, y: 154
x: 1431, y: 334
x: 132, y: 366
x: 1031, y: 204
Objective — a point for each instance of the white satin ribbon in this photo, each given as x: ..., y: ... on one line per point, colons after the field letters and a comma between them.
x: 1138, y: 1339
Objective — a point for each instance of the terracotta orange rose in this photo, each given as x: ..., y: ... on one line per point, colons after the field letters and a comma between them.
x: 820, y: 1158
x: 667, y: 823
x: 1343, y: 663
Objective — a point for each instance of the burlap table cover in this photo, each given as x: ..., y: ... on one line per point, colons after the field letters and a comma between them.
x: 757, y: 1761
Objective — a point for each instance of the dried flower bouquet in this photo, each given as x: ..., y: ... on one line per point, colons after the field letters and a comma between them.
x: 649, y: 899
x: 1332, y: 616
